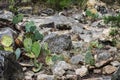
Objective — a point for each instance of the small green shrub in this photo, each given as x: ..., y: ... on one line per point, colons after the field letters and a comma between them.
x: 114, y: 20
x: 92, y: 13
x: 115, y: 27
x: 113, y: 32
x: 56, y: 4
x: 59, y: 4
x: 89, y: 59
x: 17, y: 18
x: 32, y: 44
x: 32, y: 32
x: 33, y: 47
x: 13, y: 6
x: 52, y: 59
x: 80, y: 3
x: 95, y: 44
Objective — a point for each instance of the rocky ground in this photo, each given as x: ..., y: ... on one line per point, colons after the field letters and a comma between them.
x: 71, y: 33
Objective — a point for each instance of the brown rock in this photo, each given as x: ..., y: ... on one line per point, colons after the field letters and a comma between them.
x: 102, y: 63
x: 81, y: 71
x: 109, y: 69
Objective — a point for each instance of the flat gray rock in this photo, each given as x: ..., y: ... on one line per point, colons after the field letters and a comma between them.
x: 58, y: 43
x: 77, y: 59
x: 60, y: 67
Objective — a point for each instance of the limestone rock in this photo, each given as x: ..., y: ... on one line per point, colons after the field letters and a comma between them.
x: 60, y: 67
x: 57, y: 19
x: 77, y: 59
x: 71, y: 77
x: 115, y: 63
x: 58, y: 43
x: 104, y: 56
x: 6, y: 14
x: 81, y: 71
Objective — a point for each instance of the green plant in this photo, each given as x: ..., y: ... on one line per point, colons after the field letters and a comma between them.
x: 32, y: 32
x: 33, y: 51
x: 113, y: 32
x: 81, y: 3
x: 7, y: 42
x: 89, y: 59
x: 17, y: 53
x: 95, y: 44
x: 13, y: 6
x: 52, y: 59
x: 115, y: 27
x: 92, y: 13
x: 34, y: 48
x: 27, y: 44
x: 17, y: 18
x: 59, y: 4
x: 32, y: 43
x: 114, y: 20
x: 56, y: 4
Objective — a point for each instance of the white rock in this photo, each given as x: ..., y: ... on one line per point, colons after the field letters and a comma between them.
x: 115, y: 63
x: 6, y: 15
x: 58, y: 71
x: 60, y: 67
x: 76, y: 59
x: 45, y: 77
x: 71, y: 77
x: 81, y: 71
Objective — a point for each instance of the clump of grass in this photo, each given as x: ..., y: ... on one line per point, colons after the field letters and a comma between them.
x: 115, y: 27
